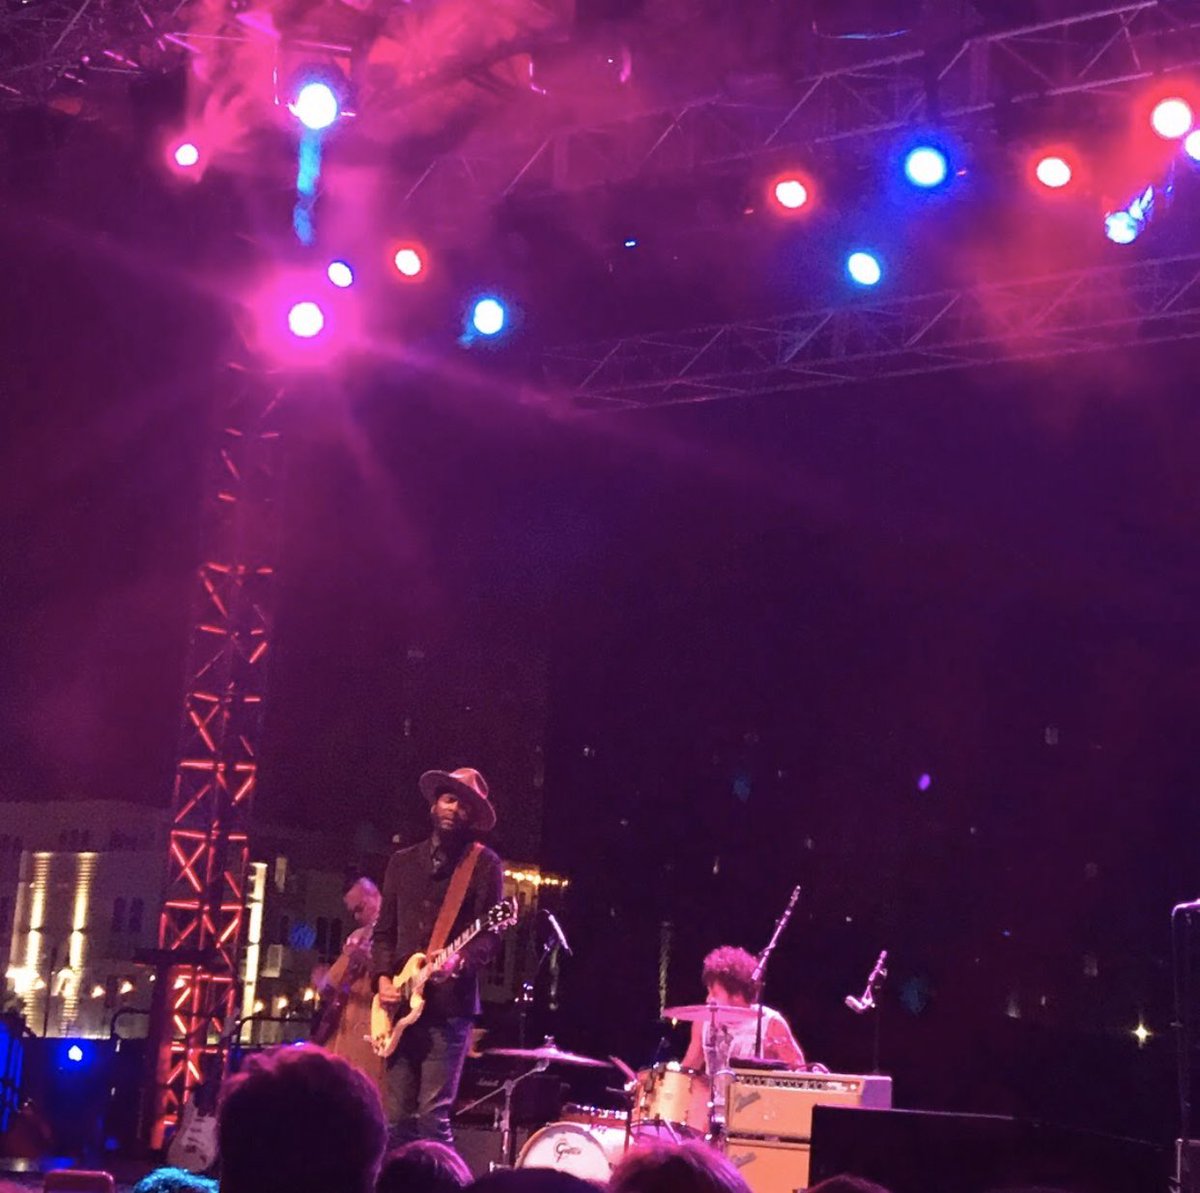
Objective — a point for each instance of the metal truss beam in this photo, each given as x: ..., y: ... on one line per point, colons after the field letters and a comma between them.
x: 46, y: 44
x: 1089, y: 310
x: 1107, y: 50
x: 217, y: 771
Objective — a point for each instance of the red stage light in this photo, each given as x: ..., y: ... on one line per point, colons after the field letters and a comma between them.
x: 790, y: 193
x: 409, y: 261
x: 1053, y: 171
x: 1172, y: 118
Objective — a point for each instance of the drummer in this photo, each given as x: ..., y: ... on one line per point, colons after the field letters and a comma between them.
x: 728, y: 977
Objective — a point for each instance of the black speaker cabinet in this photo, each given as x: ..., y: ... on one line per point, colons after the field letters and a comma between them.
x: 916, y: 1151
x: 480, y: 1146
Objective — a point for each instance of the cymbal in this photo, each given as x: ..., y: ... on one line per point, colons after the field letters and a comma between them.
x: 551, y: 1054
x: 710, y: 1012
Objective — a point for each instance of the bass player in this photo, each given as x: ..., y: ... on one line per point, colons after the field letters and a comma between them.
x: 420, y: 889
x: 345, y: 988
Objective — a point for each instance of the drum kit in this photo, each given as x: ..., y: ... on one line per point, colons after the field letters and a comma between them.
x: 664, y: 1102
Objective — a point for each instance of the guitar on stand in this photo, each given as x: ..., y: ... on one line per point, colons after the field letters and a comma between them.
x: 388, y: 1024
x: 193, y: 1147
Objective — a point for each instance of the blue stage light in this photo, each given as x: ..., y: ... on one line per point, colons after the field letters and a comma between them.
x: 864, y: 269
x: 926, y: 166
x: 316, y: 106
x: 340, y: 274
x: 75, y: 1054
x: 489, y: 316
x: 1126, y: 225
x: 1121, y: 227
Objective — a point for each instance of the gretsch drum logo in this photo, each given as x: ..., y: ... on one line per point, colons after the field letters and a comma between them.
x: 564, y: 1148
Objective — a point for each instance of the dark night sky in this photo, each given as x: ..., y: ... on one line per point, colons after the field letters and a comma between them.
x: 819, y: 598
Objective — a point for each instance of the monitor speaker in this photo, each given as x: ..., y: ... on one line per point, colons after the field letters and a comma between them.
x: 916, y: 1151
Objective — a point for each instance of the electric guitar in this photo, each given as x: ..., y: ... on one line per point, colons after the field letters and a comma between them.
x: 388, y: 1024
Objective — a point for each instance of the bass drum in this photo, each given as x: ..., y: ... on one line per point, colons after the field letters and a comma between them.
x: 589, y: 1151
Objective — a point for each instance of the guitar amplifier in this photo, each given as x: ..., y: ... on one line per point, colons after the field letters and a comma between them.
x: 769, y: 1166
x: 780, y: 1105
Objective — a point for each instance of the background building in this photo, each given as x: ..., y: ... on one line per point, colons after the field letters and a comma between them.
x: 80, y: 890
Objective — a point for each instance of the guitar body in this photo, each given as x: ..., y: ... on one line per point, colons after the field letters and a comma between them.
x: 194, y: 1144
x: 388, y: 1024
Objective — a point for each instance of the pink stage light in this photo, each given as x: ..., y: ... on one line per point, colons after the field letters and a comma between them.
x: 186, y: 155
x: 306, y: 320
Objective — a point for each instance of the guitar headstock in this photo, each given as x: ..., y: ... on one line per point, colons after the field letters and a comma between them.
x: 503, y: 915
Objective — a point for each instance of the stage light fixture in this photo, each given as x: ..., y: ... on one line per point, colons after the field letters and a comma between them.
x: 340, y: 274
x: 790, y: 193
x: 409, y: 261
x: 864, y: 269
x: 1053, y: 172
x: 1191, y: 145
x: 489, y: 316
x: 75, y: 1054
x: 926, y: 167
x: 316, y: 105
x: 306, y: 320
x: 186, y: 155
x: 1126, y: 225
x: 1172, y: 118
x: 1121, y: 227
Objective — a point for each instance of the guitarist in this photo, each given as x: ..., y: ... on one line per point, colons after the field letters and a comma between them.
x: 421, y: 1077
x: 345, y: 988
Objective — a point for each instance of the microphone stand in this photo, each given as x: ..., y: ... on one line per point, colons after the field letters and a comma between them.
x: 526, y: 999
x: 761, y: 968
x: 859, y: 1006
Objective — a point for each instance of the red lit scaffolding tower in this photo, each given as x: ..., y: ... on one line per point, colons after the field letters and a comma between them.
x: 200, y: 930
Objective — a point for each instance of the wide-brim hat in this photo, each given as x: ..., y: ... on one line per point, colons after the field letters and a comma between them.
x: 469, y: 785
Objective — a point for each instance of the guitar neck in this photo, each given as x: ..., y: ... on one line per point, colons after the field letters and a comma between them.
x: 463, y: 938
x: 434, y: 961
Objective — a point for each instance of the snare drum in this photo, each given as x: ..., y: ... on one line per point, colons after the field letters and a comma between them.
x: 594, y: 1116
x: 588, y: 1151
x: 672, y: 1094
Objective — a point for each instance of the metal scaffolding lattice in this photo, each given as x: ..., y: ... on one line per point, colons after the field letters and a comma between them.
x: 217, y: 770
x: 1107, y: 50
x: 1088, y: 310
x: 48, y: 44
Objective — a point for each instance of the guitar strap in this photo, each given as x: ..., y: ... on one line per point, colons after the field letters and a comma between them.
x: 453, y: 900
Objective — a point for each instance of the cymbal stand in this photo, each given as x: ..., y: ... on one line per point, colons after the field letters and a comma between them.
x: 760, y: 969
x: 719, y: 1048
x: 506, y: 1089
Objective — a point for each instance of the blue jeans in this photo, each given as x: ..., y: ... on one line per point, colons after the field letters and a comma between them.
x: 420, y: 1082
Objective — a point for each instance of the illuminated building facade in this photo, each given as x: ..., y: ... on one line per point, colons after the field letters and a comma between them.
x: 80, y: 890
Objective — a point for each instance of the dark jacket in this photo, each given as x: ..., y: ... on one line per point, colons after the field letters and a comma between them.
x: 413, y: 889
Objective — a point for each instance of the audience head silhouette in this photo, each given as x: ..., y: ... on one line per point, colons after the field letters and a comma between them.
x: 689, y: 1167
x: 300, y: 1120
x: 423, y: 1166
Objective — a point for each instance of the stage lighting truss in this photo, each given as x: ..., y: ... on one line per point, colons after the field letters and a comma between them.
x: 53, y: 46
x: 1113, y: 49
x: 1088, y: 310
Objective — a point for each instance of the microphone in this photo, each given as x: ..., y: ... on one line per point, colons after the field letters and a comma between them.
x: 562, y: 936
x: 867, y: 1002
